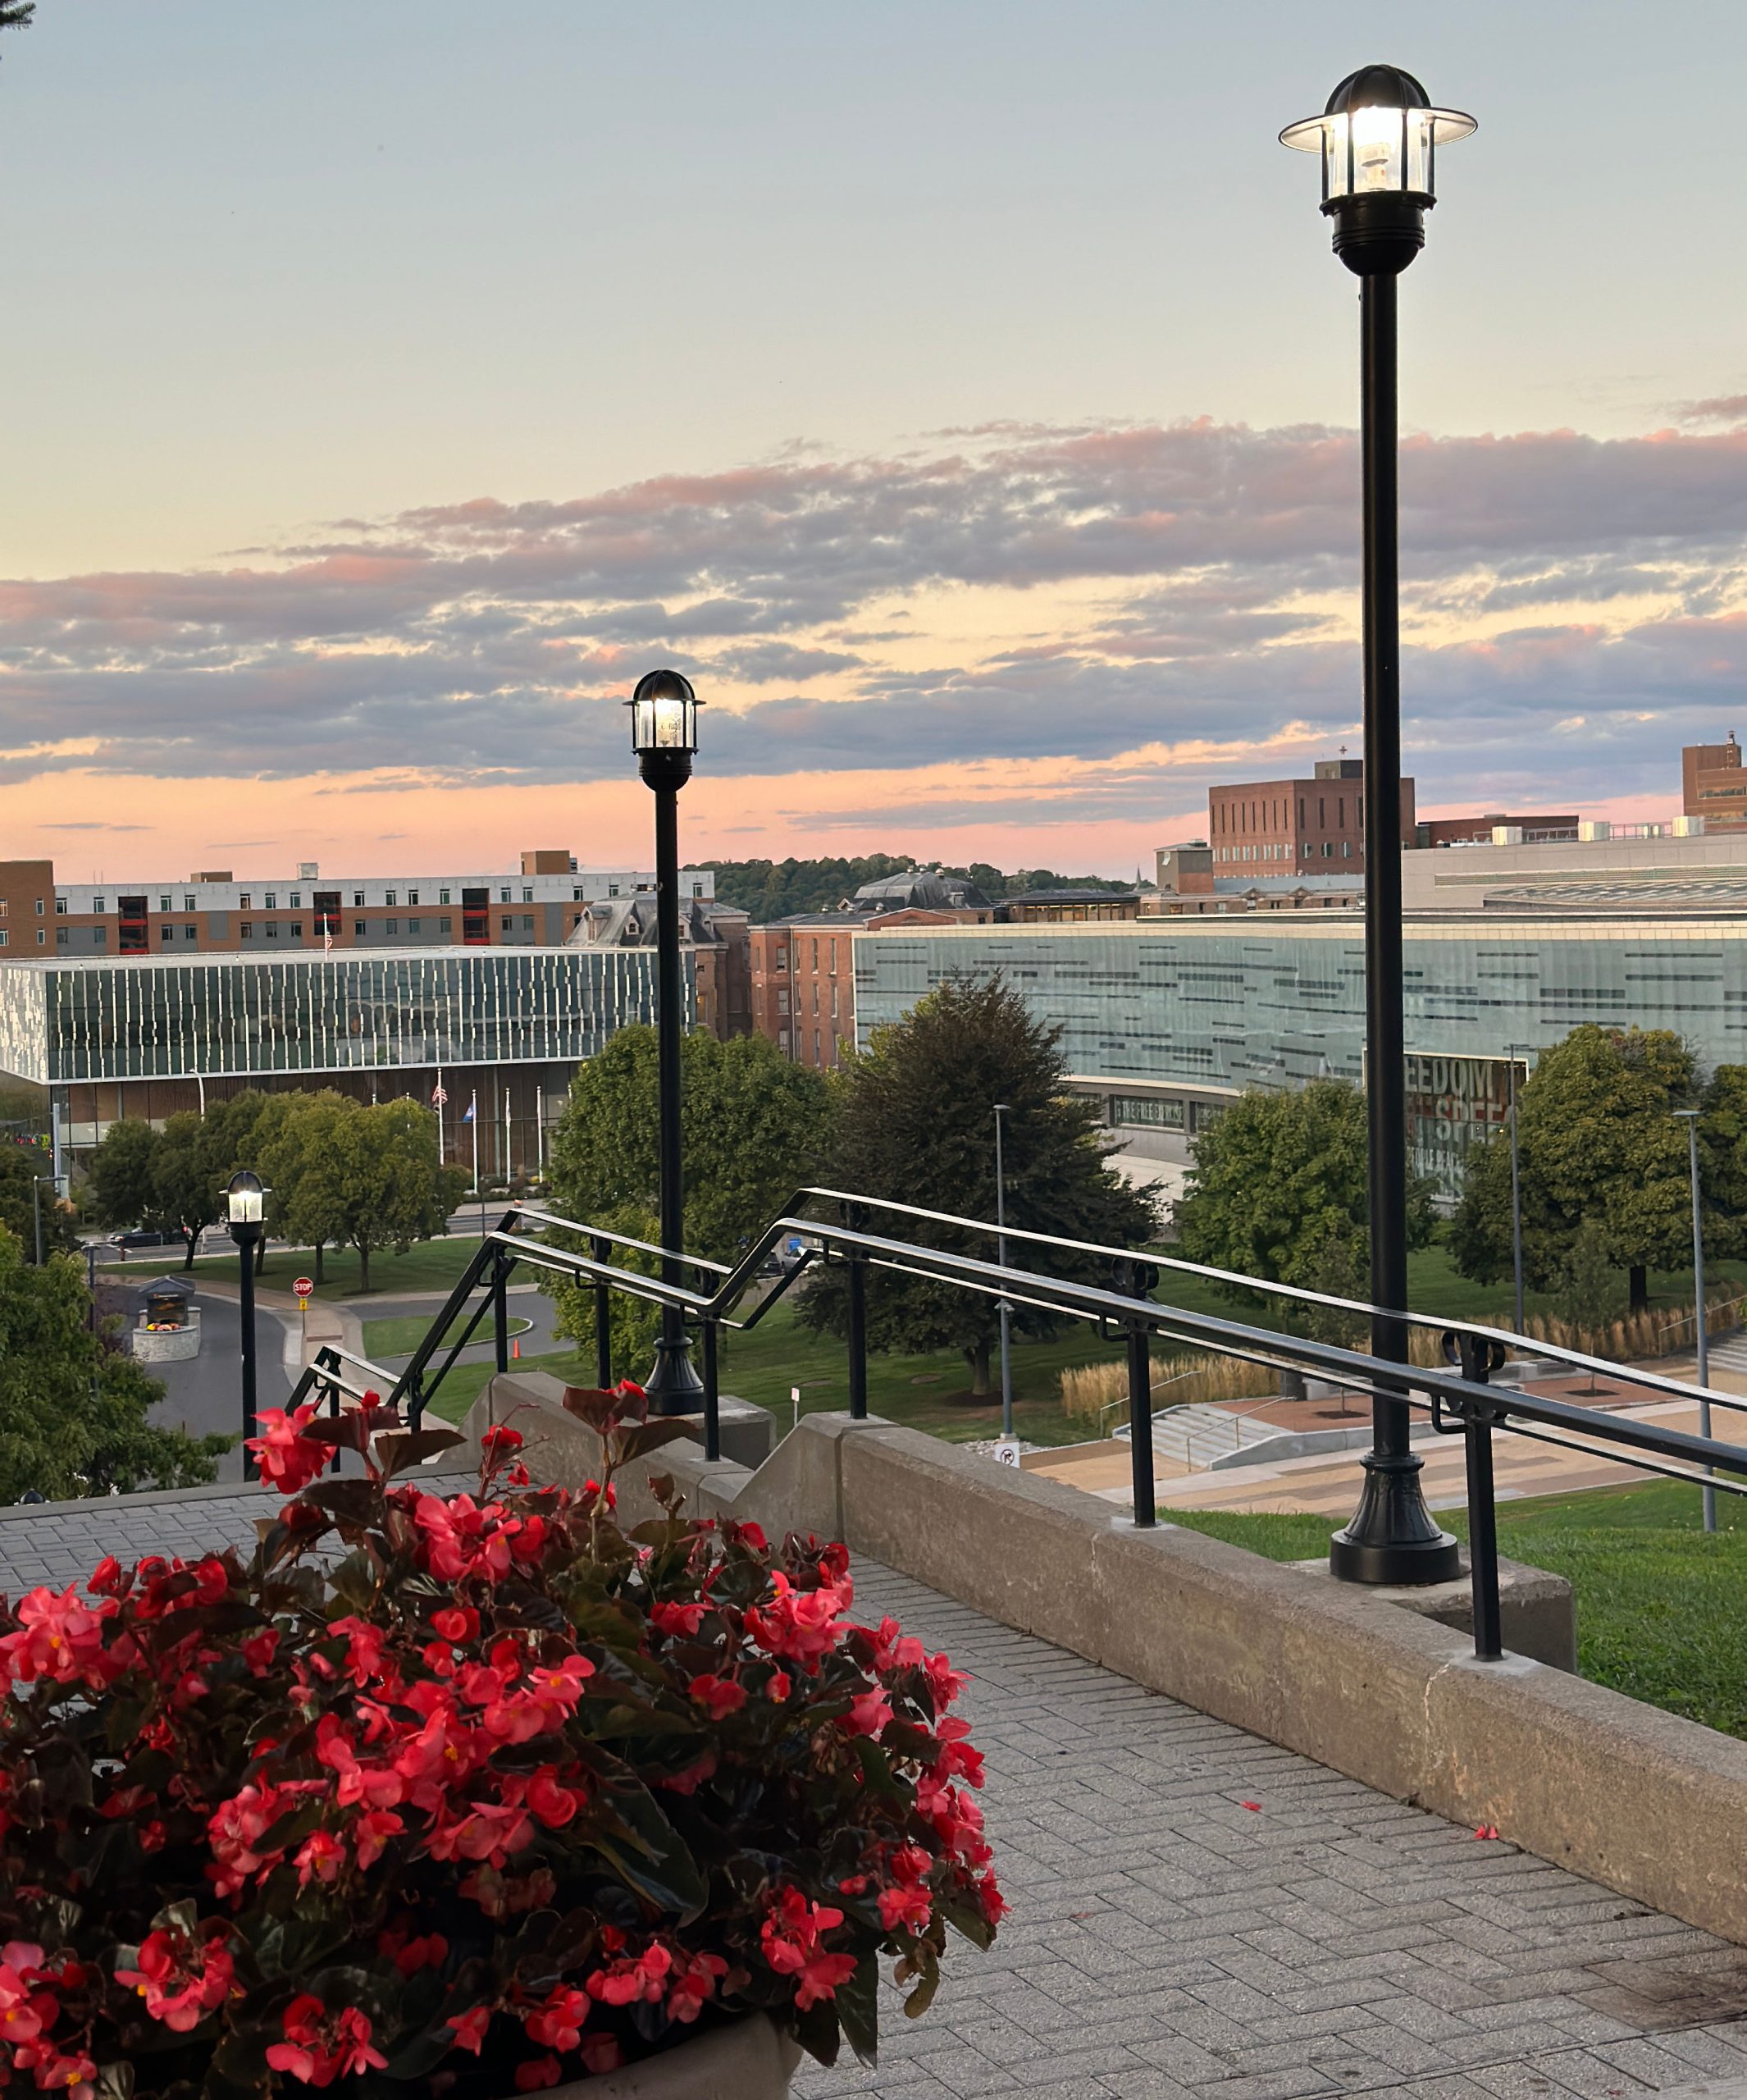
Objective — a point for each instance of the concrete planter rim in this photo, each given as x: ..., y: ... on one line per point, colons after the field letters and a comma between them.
x: 751, y: 2059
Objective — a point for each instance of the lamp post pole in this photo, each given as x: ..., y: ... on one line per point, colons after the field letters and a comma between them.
x: 1005, y: 1309
x: 1510, y: 1049
x: 663, y: 726
x: 1689, y: 1117
x: 1376, y: 139
x: 245, y: 1202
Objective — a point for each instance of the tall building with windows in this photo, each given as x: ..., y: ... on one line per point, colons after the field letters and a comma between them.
x: 1296, y: 827
x: 540, y: 905
x: 1714, y: 784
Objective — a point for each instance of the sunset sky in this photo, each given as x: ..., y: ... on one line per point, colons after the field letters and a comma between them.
x: 961, y: 392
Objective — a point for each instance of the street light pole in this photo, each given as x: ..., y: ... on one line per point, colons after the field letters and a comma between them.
x: 245, y: 1201
x: 1689, y: 1117
x: 1509, y: 1068
x: 663, y: 734
x: 1376, y: 138
x: 1005, y: 1309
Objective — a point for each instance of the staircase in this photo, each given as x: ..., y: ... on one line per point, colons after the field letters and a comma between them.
x: 1729, y: 1351
x: 1199, y: 1435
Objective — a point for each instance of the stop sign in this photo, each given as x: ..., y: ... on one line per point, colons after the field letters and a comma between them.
x: 303, y: 1286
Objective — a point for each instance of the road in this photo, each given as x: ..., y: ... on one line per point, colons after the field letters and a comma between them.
x: 526, y: 1303
x: 205, y: 1394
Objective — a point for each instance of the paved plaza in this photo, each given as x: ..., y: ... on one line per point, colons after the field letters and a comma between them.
x: 1197, y: 1912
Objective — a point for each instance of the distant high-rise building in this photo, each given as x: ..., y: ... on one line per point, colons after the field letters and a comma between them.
x: 1296, y: 827
x: 1713, y: 785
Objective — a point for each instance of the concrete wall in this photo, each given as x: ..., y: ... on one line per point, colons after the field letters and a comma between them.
x: 1641, y: 1801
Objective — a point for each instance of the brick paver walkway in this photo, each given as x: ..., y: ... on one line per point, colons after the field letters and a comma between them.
x: 1168, y: 1940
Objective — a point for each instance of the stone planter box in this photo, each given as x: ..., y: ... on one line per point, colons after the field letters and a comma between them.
x: 751, y: 2061
x: 168, y: 1344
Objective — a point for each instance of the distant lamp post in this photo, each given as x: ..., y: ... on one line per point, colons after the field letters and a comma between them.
x: 1510, y: 1069
x: 1689, y: 1117
x: 1005, y: 1309
x: 245, y: 1202
x: 1378, y: 140
x: 664, y: 734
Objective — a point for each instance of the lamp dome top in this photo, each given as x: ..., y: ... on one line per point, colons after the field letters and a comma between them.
x: 1377, y: 87
x: 663, y: 685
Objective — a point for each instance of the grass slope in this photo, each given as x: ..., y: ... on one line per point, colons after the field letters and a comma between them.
x: 1659, y: 1604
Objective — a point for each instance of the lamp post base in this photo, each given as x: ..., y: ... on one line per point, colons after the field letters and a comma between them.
x: 1392, y: 1536
x: 673, y: 1385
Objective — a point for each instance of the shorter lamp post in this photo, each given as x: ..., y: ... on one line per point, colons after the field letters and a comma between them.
x: 1510, y: 1069
x: 246, y: 1203
x: 1005, y: 1309
x: 1689, y: 1117
x: 664, y: 734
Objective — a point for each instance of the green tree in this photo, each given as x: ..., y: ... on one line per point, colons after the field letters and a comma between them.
x: 189, y: 1178
x: 375, y: 1174
x: 1588, y: 1287
x: 15, y: 14
x: 1597, y: 1139
x: 1277, y: 1178
x: 121, y: 1175
x: 306, y: 1203
x: 1722, y: 1162
x: 73, y: 1406
x: 23, y: 1202
x: 916, y: 1124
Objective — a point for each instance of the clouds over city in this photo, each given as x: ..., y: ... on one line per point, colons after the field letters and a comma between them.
x: 1063, y: 622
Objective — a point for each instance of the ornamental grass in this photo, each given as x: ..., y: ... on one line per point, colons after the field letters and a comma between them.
x: 461, y: 1796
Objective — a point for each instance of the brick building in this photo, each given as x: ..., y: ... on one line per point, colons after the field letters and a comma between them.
x: 1296, y: 827
x: 1537, y: 829
x: 541, y: 906
x: 1713, y: 785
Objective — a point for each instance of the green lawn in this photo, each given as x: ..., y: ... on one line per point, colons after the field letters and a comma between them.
x: 431, y: 1264
x: 1659, y: 1604
x: 386, y: 1338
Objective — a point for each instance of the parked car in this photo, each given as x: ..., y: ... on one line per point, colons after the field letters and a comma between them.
x: 147, y: 1236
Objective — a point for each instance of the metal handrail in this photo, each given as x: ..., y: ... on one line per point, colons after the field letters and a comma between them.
x: 1460, y: 1399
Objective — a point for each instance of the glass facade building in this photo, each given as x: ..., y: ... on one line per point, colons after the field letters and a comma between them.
x: 1214, y: 1006
x: 72, y: 1023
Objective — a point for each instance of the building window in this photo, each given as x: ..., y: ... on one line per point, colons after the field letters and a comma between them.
x: 388, y: 898
x: 188, y: 903
x: 297, y: 902
x: 357, y: 931
x: 393, y: 926
x: 413, y: 898
x: 358, y: 905
x: 61, y: 910
x: 527, y: 927
x: 443, y: 898
x: 249, y: 933
x: 168, y: 933
x: 782, y: 964
x: 272, y: 900
x: 297, y: 934
x: 576, y: 898
x: 528, y: 897
x: 42, y: 938
x: 2, y: 944
x: 187, y: 934
x: 444, y: 926
x: 782, y: 1008
x: 613, y: 891
x: 834, y: 970
x: 61, y: 938
x: 100, y: 937
x: 415, y: 925
x: 815, y: 965
x: 1328, y: 854
x: 816, y: 1060
x: 164, y: 905
x: 697, y: 890
x: 782, y: 1045
x: 244, y: 902
x: 272, y: 930
x: 1346, y: 852
x: 96, y: 905
x: 503, y: 895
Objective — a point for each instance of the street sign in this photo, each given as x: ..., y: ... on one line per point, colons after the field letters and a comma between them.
x: 303, y: 1286
x: 1006, y: 1451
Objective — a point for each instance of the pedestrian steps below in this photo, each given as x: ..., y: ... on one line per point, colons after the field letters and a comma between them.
x: 1729, y: 1351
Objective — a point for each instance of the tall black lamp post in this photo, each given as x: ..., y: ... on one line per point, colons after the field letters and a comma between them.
x: 245, y: 1202
x: 664, y: 734
x: 1378, y: 139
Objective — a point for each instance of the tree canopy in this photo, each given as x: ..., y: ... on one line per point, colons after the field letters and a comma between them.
x: 73, y: 1406
x: 753, y: 1127
x: 915, y: 1124
x: 776, y: 889
x: 23, y: 1205
x: 1597, y: 1140
x: 1279, y: 1190
x: 372, y: 1177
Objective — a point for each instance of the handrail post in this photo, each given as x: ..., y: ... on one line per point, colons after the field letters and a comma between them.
x: 603, y: 1320
x: 858, y: 1327
x: 1140, y: 1409
x: 500, y: 1310
x: 712, y: 1394
x: 1478, y: 1359
x: 333, y: 1415
x: 415, y: 1400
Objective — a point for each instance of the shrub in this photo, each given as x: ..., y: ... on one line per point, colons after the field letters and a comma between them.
x: 465, y: 1794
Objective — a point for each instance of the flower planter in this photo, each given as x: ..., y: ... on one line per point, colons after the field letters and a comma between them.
x: 751, y: 2061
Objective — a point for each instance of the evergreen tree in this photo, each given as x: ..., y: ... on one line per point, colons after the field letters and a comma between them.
x: 916, y: 1124
x: 1596, y: 1139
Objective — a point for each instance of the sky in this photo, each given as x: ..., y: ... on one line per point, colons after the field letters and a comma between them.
x: 962, y: 394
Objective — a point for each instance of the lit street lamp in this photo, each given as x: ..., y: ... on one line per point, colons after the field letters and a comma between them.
x: 1689, y: 1117
x: 1005, y: 1309
x: 664, y: 734
x: 1378, y: 140
x: 245, y: 1202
